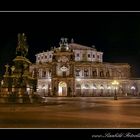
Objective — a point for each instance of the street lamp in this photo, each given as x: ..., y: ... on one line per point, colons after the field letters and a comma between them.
x: 115, y: 83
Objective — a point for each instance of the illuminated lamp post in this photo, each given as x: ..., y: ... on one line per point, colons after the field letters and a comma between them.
x: 115, y: 84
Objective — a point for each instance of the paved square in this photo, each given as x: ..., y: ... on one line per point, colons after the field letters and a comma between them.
x: 73, y: 112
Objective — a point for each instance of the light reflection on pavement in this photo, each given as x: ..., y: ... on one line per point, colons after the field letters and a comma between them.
x: 73, y: 112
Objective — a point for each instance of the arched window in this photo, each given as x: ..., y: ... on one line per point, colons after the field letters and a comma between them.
x: 107, y: 74
x: 78, y: 86
x: 77, y: 72
x: 88, y: 55
x: 43, y: 87
x: 102, y: 89
x: 86, y: 86
x: 101, y: 74
x: 44, y: 73
x: 94, y: 73
x: 94, y: 86
x: 85, y: 72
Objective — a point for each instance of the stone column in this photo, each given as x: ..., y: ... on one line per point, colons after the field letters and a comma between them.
x: 90, y: 72
x: 71, y: 69
x: 110, y: 72
x: 97, y: 71
x: 82, y: 72
x: 40, y: 73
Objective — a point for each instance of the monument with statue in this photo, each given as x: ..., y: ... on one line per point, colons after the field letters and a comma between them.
x: 18, y: 84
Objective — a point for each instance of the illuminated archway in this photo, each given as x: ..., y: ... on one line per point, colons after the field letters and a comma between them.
x: 62, y: 89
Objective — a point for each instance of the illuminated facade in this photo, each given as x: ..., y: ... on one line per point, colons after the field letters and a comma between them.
x: 76, y: 70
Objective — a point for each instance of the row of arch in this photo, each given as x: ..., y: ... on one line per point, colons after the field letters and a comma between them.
x: 101, y: 86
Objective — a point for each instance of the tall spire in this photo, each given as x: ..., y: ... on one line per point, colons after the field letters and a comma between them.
x: 22, y: 47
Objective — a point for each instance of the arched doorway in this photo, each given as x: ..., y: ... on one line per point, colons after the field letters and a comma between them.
x: 62, y: 89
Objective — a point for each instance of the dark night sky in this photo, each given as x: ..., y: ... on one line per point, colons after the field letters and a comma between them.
x: 116, y: 34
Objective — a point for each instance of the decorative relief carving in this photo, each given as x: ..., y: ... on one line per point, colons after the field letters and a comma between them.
x: 63, y: 59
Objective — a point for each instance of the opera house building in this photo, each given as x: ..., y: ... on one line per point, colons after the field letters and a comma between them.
x: 71, y: 69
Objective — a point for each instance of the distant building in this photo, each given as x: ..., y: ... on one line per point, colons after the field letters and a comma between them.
x: 77, y: 70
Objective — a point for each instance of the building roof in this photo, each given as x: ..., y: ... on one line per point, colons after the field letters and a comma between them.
x: 76, y: 46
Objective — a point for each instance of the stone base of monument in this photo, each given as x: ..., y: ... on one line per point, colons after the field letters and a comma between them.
x: 20, y: 98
